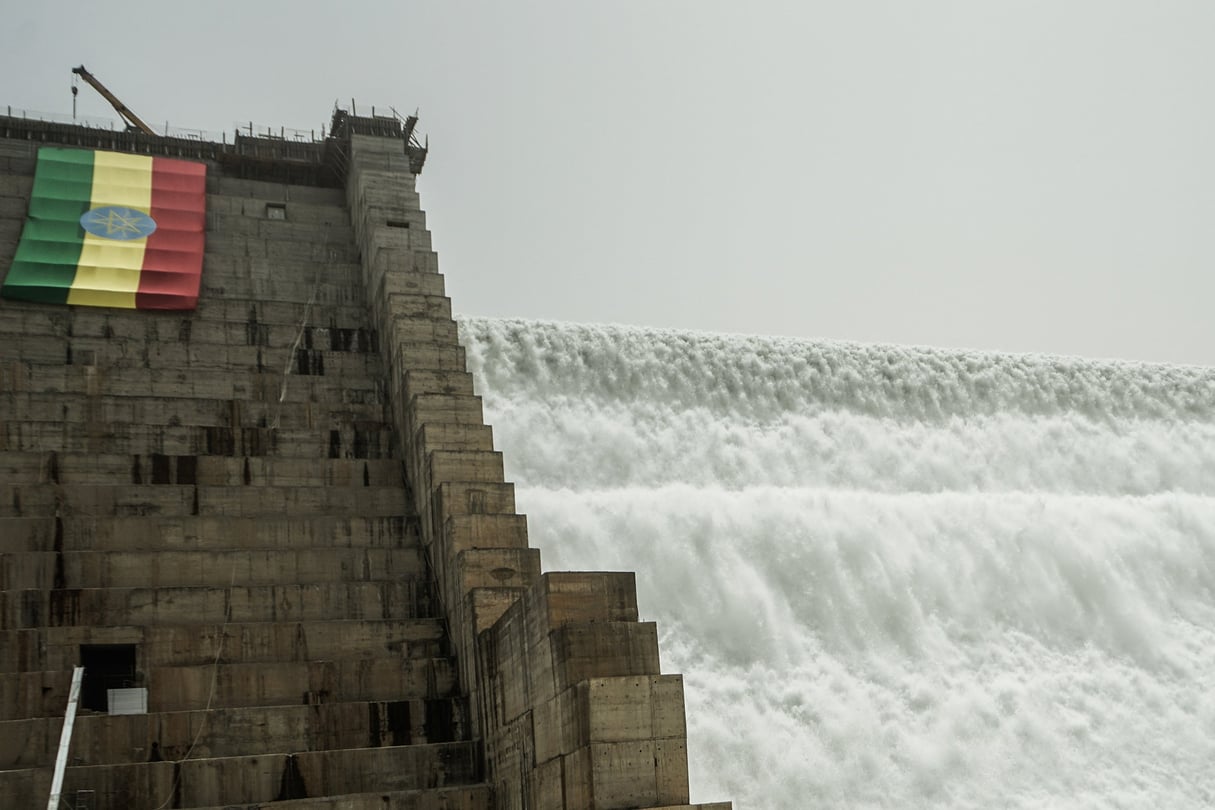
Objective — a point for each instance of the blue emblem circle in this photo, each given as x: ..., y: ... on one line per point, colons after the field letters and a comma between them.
x: 117, y: 222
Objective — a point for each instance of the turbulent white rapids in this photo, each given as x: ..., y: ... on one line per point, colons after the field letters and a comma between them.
x: 892, y: 577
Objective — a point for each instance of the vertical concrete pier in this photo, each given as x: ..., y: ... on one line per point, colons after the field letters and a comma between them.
x: 280, y: 521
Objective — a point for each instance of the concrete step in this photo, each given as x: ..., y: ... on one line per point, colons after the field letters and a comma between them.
x: 265, y: 386
x: 322, y: 223
x: 58, y: 648
x: 285, y: 248
x: 266, y: 683
x: 32, y: 500
x: 241, y: 781
x: 355, y: 439
x: 222, y: 187
x: 396, y: 599
x: 478, y: 797
x: 190, y: 532
x: 321, y: 226
x: 79, y: 468
x: 105, y: 354
x: 105, y: 739
x: 214, y: 317
x: 311, y: 330
x: 321, y: 288
x: 139, y: 409
x: 179, y: 569
x: 225, y: 194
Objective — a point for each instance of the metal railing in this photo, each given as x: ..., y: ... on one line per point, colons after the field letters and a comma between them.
x: 250, y: 130
x: 89, y: 122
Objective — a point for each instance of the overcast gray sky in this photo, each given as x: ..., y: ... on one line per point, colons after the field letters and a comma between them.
x: 1020, y: 176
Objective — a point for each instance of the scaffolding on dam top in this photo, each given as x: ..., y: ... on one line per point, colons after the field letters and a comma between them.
x: 254, y: 152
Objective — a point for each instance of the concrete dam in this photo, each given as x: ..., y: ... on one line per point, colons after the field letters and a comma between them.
x: 261, y: 507
x: 278, y: 532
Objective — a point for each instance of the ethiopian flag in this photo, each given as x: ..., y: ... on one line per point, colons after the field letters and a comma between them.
x: 107, y: 229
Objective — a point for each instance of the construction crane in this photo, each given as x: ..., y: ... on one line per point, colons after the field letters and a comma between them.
x: 132, y: 120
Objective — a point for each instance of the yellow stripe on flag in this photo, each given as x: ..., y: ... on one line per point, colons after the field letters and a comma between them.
x: 108, y: 273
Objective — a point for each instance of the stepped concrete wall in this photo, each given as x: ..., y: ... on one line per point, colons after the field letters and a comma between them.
x: 288, y: 506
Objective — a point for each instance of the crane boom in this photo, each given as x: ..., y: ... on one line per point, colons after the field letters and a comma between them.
x: 133, y: 120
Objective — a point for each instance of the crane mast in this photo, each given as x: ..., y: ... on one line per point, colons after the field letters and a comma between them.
x: 132, y: 120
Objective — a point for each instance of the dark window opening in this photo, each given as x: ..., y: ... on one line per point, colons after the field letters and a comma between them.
x: 276, y: 211
x: 440, y: 721
x: 106, y: 666
x: 187, y: 470
x: 257, y: 334
x: 258, y: 441
x: 309, y: 362
x: 365, y: 442
x: 220, y: 441
x: 396, y: 223
x: 160, y: 469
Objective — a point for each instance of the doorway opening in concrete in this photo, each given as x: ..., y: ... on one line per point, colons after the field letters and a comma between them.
x: 106, y: 666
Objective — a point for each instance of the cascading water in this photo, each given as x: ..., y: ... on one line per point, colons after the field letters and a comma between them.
x: 892, y: 577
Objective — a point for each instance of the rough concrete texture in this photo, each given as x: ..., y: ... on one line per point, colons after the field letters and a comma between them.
x: 286, y: 508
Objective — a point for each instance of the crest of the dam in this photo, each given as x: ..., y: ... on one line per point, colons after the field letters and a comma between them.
x: 256, y: 546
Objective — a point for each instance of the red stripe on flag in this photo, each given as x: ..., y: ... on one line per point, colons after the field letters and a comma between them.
x: 172, y: 262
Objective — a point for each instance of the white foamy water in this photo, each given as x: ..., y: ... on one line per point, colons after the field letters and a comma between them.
x: 892, y: 577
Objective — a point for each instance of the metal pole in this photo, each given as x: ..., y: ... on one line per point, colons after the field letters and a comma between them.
x: 65, y: 739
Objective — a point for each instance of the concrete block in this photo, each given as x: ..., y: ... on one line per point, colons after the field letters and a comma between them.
x: 582, y: 596
x: 486, y: 606
x: 547, y: 785
x: 624, y: 775
x: 437, y: 381
x: 16, y: 186
x: 472, y: 466
x: 129, y: 569
x: 460, y: 797
x: 444, y: 409
x: 494, y: 568
x: 410, y: 282
x: 579, y: 779
x: 193, y: 532
x: 634, y: 708
x: 396, y: 768
x: 464, y: 532
x: 58, y: 648
x: 28, y: 534
x: 671, y: 770
x: 600, y: 649
x: 173, y: 689
x: 438, y: 436
x: 412, y: 305
x: 408, y: 329
x: 101, y: 739
x: 452, y: 498
x: 406, y: 354
x: 561, y: 724
x: 251, y: 603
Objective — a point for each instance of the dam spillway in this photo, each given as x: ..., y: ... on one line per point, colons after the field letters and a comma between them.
x: 896, y: 577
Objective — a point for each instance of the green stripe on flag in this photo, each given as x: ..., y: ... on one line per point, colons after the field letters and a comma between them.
x: 45, y: 262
